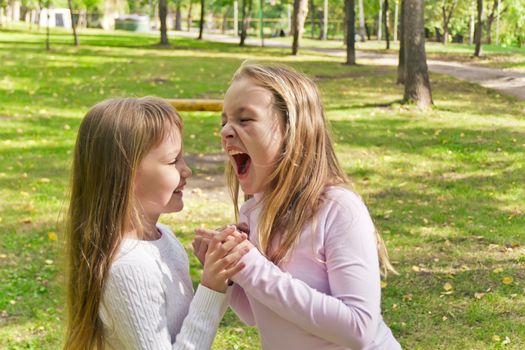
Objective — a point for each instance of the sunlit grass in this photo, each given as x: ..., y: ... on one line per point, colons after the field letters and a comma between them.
x: 445, y: 187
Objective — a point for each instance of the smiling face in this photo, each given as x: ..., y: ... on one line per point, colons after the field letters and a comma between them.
x: 161, y: 177
x: 252, y: 134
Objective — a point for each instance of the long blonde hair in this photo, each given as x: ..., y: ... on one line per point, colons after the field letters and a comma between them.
x: 113, y: 138
x: 308, y: 163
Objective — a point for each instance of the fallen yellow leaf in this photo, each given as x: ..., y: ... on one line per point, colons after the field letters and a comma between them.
x: 498, y: 270
x: 49, y: 262
x: 479, y: 295
x: 24, y: 194
x: 447, y: 286
x: 507, y: 280
x: 45, y: 180
x: 52, y: 236
x: 496, y: 337
x: 383, y: 284
x: 416, y: 268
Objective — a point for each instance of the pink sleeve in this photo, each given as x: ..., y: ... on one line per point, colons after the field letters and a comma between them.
x: 238, y: 300
x: 351, y: 314
x: 241, y: 305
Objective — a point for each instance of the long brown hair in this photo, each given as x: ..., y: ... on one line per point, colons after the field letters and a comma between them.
x: 308, y: 163
x: 113, y: 138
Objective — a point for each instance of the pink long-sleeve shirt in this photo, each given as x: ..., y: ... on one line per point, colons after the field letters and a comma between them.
x: 327, y: 295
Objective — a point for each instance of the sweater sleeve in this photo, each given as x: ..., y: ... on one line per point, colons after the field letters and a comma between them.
x: 241, y: 305
x: 134, y: 302
x: 351, y: 314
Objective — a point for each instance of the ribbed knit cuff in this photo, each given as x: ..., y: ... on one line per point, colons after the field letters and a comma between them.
x: 206, y: 299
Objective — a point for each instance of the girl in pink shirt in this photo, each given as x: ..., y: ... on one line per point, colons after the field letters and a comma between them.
x: 312, y: 275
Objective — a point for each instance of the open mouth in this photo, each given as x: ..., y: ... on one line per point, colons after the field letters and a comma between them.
x: 179, y: 190
x: 242, y: 162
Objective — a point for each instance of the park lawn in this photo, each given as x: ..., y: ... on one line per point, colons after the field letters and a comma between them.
x: 445, y: 187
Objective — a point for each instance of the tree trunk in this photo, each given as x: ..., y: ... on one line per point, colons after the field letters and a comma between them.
x: 201, y: 24
x: 325, y: 20
x: 190, y: 19
x: 245, y: 21
x: 386, y: 21
x: 447, y: 15
x: 178, y: 17
x: 445, y: 22
x: 490, y: 21
x: 48, y: 46
x: 479, y: 29
x: 300, y: 11
x: 472, y: 26
x: 312, y: 18
x: 401, y: 61
x: 224, y: 18
x: 362, y: 21
x: 417, y: 85
x: 396, y: 19
x: 380, y: 20
x: 73, y: 24
x: 163, y: 13
x: 350, y: 32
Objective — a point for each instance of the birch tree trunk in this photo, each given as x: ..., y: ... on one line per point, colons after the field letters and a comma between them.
x: 417, y: 84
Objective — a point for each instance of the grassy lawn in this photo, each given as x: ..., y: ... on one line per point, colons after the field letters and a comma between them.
x: 445, y: 187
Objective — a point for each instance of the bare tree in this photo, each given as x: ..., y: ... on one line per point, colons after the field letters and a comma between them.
x: 417, y: 84
x: 201, y: 23
x: 189, y: 18
x: 178, y: 16
x: 245, y: 21
x: 73, y: 24
x: 350, y: 31
x: 300, y: 10
x: 478, y: 33
x: 401, y: 61
x: 491, y: 17
x: 386, y: 21
x: 163, y: 13
x: 325, y: 20
x: 447, y: 9
x: 362, y: 21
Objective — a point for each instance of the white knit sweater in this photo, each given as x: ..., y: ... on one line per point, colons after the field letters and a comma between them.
x: 148, y: 301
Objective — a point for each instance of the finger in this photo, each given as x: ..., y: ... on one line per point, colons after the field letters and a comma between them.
x: 233, y: 241
x: 233, y: 257
x: 221, y: 236
x: 229, y: 273
x: 205, y: 233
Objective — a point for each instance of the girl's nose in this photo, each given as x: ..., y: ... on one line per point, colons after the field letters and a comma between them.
x: 227, y: 131
x: 186, y: 172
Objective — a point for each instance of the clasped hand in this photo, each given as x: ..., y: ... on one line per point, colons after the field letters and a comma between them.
x: 220, y: 252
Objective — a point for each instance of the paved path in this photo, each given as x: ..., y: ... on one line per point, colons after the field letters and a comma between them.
x: 507, y: 82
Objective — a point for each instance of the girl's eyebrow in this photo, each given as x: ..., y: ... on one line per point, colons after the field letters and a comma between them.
x: 238, y: 111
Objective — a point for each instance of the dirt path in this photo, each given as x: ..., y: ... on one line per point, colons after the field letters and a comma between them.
x: 507, y: 82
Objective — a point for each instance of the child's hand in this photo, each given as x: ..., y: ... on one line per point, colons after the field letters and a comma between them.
x: 203, y: 236
x: 222, y: 258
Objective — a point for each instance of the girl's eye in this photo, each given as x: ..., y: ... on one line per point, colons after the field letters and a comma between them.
x: 245, y: 120
x: 174, y: 161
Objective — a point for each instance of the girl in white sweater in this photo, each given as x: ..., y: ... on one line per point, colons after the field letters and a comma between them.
x: 128, y: 277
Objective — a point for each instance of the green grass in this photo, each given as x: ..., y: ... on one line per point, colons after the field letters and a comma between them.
x: 445, y: 187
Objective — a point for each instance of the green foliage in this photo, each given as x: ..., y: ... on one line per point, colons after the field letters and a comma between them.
x: 444, y: 187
